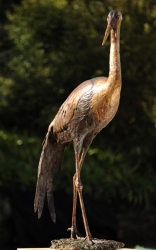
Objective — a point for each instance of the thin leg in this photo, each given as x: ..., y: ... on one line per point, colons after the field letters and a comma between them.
x: 79, y: 188
x: 84, y: 151
x: 85, y: 221
x: 74, y: 232
x: 73, y: 228
x: 74, y: 203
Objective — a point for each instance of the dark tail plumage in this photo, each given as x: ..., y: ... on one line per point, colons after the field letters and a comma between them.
x: 50, y: 160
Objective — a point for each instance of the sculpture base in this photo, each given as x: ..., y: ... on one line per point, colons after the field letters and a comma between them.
x: 84, y: 244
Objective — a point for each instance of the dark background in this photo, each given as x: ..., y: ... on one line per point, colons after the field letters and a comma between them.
x: 46, y: 49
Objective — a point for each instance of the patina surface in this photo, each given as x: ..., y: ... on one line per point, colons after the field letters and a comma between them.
x: 86, y: 111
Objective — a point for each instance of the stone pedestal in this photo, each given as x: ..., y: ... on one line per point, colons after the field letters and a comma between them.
x: 84, y: 244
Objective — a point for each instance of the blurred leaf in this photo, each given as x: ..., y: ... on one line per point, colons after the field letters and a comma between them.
x: 54, y: 46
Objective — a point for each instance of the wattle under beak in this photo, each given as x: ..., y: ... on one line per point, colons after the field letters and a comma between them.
x: 107, y: 32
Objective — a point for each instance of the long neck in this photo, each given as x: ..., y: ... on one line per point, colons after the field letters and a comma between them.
x: 114, y: 60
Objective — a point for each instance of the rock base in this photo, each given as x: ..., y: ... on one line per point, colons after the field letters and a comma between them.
x: 84, y: 244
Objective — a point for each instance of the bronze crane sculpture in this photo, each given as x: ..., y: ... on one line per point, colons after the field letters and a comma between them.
x: 86, y: 111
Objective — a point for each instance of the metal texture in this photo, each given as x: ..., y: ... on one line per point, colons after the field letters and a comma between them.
x: 86, y: 111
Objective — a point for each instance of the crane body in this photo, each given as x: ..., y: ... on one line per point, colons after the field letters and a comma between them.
x: 95, y: 105
x: 86, y: 111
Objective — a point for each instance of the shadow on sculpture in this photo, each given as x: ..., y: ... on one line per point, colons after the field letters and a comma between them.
x: 86, y: 111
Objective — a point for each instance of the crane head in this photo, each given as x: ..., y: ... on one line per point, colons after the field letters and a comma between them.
x: 113, y: 20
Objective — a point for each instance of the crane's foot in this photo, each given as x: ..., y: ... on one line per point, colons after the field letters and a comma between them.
x: 74, y: 233
x: 89, y: 239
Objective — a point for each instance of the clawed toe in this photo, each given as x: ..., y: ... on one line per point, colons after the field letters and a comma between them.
x: 74, y: 233
x: 90, y: 240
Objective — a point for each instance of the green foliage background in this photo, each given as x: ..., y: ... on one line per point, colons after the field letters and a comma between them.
x: 47, y: 48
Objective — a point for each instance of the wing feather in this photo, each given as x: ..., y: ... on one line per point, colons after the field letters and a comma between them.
x: 50, y: 160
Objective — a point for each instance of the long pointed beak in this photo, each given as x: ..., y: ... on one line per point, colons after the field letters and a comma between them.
x: 107, y: 32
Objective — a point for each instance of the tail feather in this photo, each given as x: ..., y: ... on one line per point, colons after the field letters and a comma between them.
x: 50, y: 160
